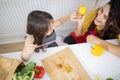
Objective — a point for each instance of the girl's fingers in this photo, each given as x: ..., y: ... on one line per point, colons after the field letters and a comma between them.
x: 31, y: 45
x: 32, y: 48
x: 28, y: 40
x: 35, y: 45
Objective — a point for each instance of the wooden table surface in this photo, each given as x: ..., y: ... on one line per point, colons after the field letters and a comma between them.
x: 11, y: 47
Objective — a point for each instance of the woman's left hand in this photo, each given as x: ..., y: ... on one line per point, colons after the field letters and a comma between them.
x: 93, y: 39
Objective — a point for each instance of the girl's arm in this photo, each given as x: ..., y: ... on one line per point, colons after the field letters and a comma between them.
x: 115, y: 49
x: 28, y: 49
x: 61, y: 21
x: 74, y: 16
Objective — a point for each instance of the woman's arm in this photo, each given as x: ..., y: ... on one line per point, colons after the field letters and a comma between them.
x: 79, y: 19
x: 74, y: 16
x: 78, y: 31
x: 114, y: 49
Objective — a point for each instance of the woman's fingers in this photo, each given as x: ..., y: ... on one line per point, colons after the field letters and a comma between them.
x: 91, y: 39
x: 77, y: 17
x: 73, y: 16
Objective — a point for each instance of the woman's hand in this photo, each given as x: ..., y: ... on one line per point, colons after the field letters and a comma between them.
x: 73, y: 16
x: 112, y: 48
x: 80, y: 19
x: 93, y: 39
x: 77, y: 17
x: 28, y: 49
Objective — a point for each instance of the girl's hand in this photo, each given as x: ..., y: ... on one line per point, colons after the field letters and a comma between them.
x: 93, y: 39
x: 29, y: 47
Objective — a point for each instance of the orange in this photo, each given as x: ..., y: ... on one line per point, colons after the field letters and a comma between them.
x: 82, y: 10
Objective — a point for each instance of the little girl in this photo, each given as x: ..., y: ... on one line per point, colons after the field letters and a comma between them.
x: 40, y: 30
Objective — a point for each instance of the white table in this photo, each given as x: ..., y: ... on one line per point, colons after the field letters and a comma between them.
x: 103, y: 66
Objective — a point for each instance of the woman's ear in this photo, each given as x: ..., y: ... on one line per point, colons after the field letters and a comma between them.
x: 111, y: 23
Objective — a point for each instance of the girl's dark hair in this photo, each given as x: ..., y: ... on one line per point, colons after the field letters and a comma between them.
x: 37, y: 25
x: 112, y: 25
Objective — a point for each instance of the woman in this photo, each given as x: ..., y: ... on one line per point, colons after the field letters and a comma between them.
x: 105, y: 25
x: 115, y: 49
x: 115, y: 18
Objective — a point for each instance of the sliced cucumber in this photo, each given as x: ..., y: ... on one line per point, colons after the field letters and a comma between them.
x: 15, y: 77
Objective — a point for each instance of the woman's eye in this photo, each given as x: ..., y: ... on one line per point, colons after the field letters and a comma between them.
x: 105, y: 17
x: 100, y: 11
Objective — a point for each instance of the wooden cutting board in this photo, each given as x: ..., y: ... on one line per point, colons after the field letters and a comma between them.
x: 63, y: 65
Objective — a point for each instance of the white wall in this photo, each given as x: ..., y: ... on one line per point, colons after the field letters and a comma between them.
x: 13, y: 15
x: 101, y: 3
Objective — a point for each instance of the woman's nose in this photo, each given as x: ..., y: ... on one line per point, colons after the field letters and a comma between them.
x: 100, y: 16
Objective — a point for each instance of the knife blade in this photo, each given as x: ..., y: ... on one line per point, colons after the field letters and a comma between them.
x: 46, y: 44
